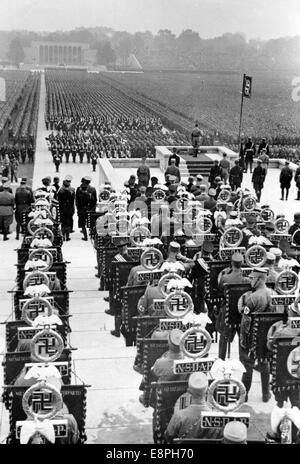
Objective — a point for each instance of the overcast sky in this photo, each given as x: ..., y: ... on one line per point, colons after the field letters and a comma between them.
x: 256, y: 18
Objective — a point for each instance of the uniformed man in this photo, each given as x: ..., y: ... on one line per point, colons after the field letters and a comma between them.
x: 86, y: 200
x: 145, y: 303
x: 225, y: 166
x: 143, y: 173
x: 296, y: 224
x: 6, y: 210
x: 174, y: 255
x: 175, y: 157
x: 57, y: 161
x: 215, y: 173
x: 190, y: 184
x: 231, y: 275
x: 150, y: 189
x: 186, y: 423
x: 94, y: 157
x: 269, y: 230
x: 249, y: 230
x: 162, y: 369
x: 235, y: 433
x: 236, y: 175
x: 66, y: 199
x: 195, y: 138
x: 121, y: 256
x: 87, y: 180
x: 198, y: 276
x: 278, y: 255
x: 203, y: 196
x: 55, y: 187
x: 263, y: 145
x: 23, y: 200
x: 172, y: 171
x: 211, y: 203
x: 132, y: 280
x: 4, y: 180
x: 256, y: 300
x: 249, y: 153
x: 195, y: 189
x: 270, y: 265
x: 46, y: 181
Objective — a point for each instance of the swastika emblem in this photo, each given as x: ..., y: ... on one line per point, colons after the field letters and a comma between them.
x: 35, y: 310
x: 204, y: 224
x: 293, y: 362
x: 35, y: 280
x: 267, y: 215
x: 224, y: 195
x: 286, y: 282
x: 256, y: 256
x: 122, y: 227
x: 151, y: 259
x: 41, y: 402
x: 139, y: 234
x: 178, y: 304
x: 226, y: 394
x: 282, y: 225
x: 233, y: 237
x: 46, y: 346
x: 195, y: 343
x: 249, y: 203
x: 158, y: 195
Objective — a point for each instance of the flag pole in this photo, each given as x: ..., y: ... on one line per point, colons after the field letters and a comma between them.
x: 241, y: 112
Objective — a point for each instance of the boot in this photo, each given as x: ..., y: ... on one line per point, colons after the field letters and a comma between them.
x: 84, y: 234
x: 265, y: 386
x: 222, y: 347
x: 118, y: 321
x: 247, y: 381
x: 67, y: 237
x: 5, y: 237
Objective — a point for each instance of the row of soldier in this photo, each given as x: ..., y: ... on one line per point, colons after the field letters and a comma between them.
x: 234, y: 271
x: 44, y: 403
x: 84, y: 198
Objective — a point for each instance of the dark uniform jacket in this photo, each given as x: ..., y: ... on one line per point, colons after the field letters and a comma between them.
x: 285, y: 178
x: 258, y: 177
x: 23, y: 200
x: 236, y: 176
x: 66, y: 199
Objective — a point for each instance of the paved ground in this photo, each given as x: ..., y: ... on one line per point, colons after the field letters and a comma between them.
x: 114, y: 414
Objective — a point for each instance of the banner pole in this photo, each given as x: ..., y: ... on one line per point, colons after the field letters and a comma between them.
x: 241, y: 113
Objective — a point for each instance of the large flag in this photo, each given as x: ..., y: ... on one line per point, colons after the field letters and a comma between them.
x: 247, y: 86
x: 2, y: 90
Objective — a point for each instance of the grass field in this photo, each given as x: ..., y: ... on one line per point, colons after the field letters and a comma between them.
x: 214, y: 100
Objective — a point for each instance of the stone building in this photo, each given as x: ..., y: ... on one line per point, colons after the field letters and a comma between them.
x: 60, y: 53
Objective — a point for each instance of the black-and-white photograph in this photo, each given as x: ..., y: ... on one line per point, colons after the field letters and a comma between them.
x: 150, y: 224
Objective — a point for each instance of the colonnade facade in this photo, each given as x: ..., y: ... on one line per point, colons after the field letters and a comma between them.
x: 60, y: 54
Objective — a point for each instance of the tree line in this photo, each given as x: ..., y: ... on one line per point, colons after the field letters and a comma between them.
x: 165, y: 50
